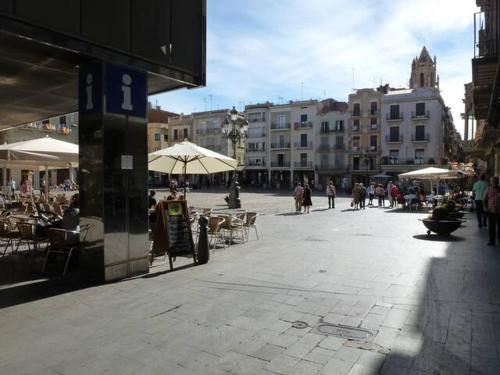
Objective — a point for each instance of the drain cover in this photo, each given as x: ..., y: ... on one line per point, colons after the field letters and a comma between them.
x: 299, y: 324
x: 346, y: 332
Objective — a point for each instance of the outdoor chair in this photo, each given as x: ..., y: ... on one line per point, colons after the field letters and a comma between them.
x: 64, y: 242
x: 234, y: 225
x: 28, y: 235
x: 250, y: 222
x: 8, y: 234
x: 215, y: 231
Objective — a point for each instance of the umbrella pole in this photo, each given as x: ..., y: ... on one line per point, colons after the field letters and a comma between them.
x: 46, y: 183
x: 184, y: 178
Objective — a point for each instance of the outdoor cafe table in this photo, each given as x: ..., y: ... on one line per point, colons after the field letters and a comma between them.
x: 230, y: 214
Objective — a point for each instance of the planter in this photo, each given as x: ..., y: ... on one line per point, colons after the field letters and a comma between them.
x: 443, y: 227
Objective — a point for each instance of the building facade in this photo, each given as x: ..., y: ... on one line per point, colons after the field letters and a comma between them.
x: 180, y: 128
x: 364, y: 134
x: 256, y: 172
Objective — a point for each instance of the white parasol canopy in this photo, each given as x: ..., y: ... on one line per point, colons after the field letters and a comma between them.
x: 432, y: 173
x: 189, y: 158
x: 39, y: 153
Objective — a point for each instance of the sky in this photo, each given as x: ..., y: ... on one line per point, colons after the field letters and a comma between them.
x: 281, y: 50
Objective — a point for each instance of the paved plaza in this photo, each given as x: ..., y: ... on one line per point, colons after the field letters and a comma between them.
x: 425, y: 304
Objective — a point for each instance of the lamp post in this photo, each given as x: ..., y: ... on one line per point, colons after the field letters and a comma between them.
x: 234, y: 128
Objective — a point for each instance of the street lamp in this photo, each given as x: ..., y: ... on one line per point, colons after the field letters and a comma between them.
x: 234, y: 128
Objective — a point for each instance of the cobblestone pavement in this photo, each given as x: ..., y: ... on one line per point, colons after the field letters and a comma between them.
x: 427, y: 305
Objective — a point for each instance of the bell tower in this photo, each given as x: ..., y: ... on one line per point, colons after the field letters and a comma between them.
x: 423, y: 71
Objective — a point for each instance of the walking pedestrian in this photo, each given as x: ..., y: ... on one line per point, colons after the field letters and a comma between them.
x: 380, y: 193
x: 389, y: 193
x: 12, y: 186
x: 298, y: 195
x: 492, y: 203
x: 394, y: 195
x: 307, y: 203
x: 356, y: 196
x: 331, y: 193
x: 362, y: 196
x: 478, y: 189
x: 370, y: 190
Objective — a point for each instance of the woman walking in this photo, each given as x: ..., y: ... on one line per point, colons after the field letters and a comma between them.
x: 371, y: 192
x: 356, y: 196
x: 330, y: 192
x: 380, y: 192
x: 307, y: 198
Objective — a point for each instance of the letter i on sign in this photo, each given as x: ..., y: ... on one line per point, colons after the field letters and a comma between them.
x: 88, y: 92
x: 127, y: 93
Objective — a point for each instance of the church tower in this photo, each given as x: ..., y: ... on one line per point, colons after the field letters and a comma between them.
x: 423, y: 71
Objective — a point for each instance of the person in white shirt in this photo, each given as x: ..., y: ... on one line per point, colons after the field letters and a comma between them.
x: 331, y: 193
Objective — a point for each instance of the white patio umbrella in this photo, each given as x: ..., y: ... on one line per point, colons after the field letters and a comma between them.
x: 432, y: 173
x: 188, y: 158
x: 39, y: 153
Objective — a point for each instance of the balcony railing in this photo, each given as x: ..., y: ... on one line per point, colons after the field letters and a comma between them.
x: 283, y: 164
x: 280, y: 145
x: 394, y: 117
x: 339, y: 146
x: 324, y: 148
x: 330, y: 167
x: 260, y: 149
x: 394, y: 139
x: 356, y: 113
x: 253, y: 163
x: 420, y: 116
x: 303, y: 144
x: 257, y: 120
x: 258, y: 135
x: 420, y: 138
x: 397, y: 161
x: 485, y: 36
x: 355, y: 148
x: 303, y: 125
x: 284, y: 126
x: 374, y: 112
x: 338, y: 129
x: 303, y: 164
x: 355, y: 129
x: 371, y: 149
x: 373, y: 127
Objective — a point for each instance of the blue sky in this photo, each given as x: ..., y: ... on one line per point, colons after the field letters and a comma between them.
x: 280, y: 50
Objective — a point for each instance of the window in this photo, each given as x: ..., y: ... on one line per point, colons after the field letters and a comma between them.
x: 420, y: 133
x: 373, y: 108
x: 165, y: 137
x: 373, y: 123
x: 356, y: 111
x: 157, y: 137
x: 303, y: 118
x: 355, y: 143
x: 176, y: 134
x: 281, y: 160
x: 420, y: 109
x: 373, y: 143
x: 303, y: 140
x: 281, y: 121
x: 324, y: 160
x: 355, y: 125
x: 355, y: 163
x: 394, y: 157
x: 394, y: 112
x: 339, y: 161
x: 339, y: 125
x: 324, y: 127
x: 394, y: 134
x: 419, y: 156
x: 422, y: 80
x: 303, y: 158
x: 324, y: 141
x: 339, y: 141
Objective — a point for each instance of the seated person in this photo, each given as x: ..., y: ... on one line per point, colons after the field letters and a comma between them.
x: 173, y: 195
x: 71, y: 215
x: 421, y: 197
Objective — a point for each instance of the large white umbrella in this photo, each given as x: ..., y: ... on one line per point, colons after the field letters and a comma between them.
x: 188, y: 158
x: 43, y: 152
x: 432, y: 173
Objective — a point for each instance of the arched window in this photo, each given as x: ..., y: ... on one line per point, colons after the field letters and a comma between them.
x: 422, y: 80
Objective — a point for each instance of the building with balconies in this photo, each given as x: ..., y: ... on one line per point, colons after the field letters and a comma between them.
x: 363, y: 148
x: 180, y: 128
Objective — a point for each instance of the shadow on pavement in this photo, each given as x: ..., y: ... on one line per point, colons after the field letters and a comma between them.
x: 454, y: 326
x: 289, y: 214
x: 437, y: 237
x: 420, y: 211
x: 152, y: 273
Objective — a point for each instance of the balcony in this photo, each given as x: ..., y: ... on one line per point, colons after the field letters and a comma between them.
x: 484, y: 67
x: 394, y: 139
x: 330, y: 167
x: 258, y: 135
x: 339, y: 146
x: 254, y: 163
x: 338, y: 129
x: 324, y: 148
x: 260, y: 149
x: 394, y: 117
x: 374, y: 112
x: 282, y: 145
x: 356, y: 114
x: 277, y: 164
x: 420, y: 116
x: 303, y: 164
x: 371, y: 149
x: 355, y: 149
x: 258, y: 119
x: 355, y: 129
x: 303, y: 125
x: 374, y: 127
x: 303, y: 144
x: 420, y: 138
x: 285, y: 126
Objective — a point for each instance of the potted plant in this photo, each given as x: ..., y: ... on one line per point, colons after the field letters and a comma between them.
x: 443, y: 219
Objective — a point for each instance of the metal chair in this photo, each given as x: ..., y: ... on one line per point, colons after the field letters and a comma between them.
x: 64, y: 242
x: 8, y: 234
x: 235, y: 224
x: 215, y: 231
x: 250, y: 222
x: 28, y: 234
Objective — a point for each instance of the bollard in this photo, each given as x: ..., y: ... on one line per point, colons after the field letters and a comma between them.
x: 203, y: 253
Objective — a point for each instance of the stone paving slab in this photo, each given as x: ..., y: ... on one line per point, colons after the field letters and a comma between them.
x: 433, y: 303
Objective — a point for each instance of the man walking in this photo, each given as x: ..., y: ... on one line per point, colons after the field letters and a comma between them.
x: 330, y: 192
x: 492, y: 203
x: 389, y: 193
x: 478, y: 189
x: 298, y: 195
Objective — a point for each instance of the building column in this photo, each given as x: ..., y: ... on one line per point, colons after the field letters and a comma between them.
x: 113, y: 172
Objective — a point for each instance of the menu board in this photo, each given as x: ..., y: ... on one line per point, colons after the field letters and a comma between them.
x: 177, y: 229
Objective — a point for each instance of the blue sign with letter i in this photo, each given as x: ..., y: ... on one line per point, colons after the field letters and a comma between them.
x: 126, y: 91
